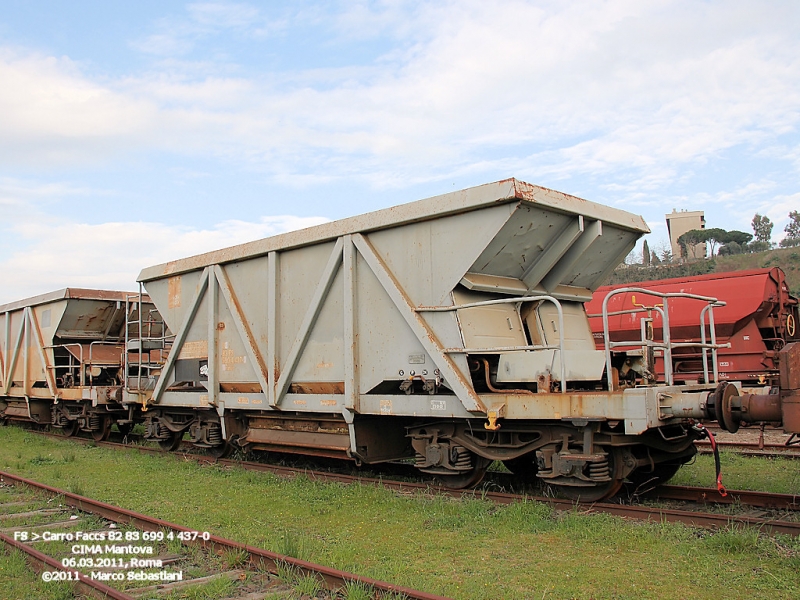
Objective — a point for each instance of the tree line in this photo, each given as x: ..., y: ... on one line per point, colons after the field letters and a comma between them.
x: 739, y: 242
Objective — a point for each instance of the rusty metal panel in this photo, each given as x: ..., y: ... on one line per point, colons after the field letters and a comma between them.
x: 48, y: 342
x: 790, y: 411
x: 66, y: 294
x: 429, y: 258
x: 755, y: 300
x: 789, y: 359
x: 90, y: 319
x: 100, y: 355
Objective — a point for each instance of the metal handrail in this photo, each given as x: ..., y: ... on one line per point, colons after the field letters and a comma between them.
x: 91, y: 345
x: 519, y: 300
x: 713, y: 331
x: 666, y: 345
x: 137, y: 301
x: 70, y: 366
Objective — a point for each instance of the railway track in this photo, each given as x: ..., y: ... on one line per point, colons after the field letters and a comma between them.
x: 763, y: 450
x: 142, y: 531
x: 767, y: 500
x: 702, y: 497
x: 760, y: 448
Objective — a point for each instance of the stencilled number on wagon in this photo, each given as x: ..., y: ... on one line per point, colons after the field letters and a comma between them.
x: 438, y: 405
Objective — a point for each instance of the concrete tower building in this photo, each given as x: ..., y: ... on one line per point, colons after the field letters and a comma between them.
x: 679, y: 223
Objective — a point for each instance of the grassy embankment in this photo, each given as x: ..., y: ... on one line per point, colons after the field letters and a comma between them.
x: 464, y: 549
x: 787, y: 259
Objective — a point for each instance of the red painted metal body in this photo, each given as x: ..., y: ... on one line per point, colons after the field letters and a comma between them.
x: 754, y: 321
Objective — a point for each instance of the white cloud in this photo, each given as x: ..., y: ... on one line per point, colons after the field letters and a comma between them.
x: 110, y: 255
x: 178, y: 36
x: 558, y: 89
x: 51, y: 114
x: 639, y: 96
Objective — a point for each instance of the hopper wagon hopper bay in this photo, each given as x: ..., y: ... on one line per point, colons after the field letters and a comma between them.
x: 451, y: 331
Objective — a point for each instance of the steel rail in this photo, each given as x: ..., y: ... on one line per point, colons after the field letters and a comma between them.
x: 754, y: 445
x: 86, y: 584
x: 711, y: 496
x: 753, y: 448
x: 687, y: 517
x: 755, y: 453
x: 332, y: 578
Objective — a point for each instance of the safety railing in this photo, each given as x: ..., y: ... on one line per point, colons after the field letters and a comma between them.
x: 91, y: 358
x: 142, y: 335
x: 646, y: 341
x: 78, y: 371
x: 71, y: 368
x: 519, y: 300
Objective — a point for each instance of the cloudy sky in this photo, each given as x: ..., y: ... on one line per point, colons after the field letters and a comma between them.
x: 132, y: 133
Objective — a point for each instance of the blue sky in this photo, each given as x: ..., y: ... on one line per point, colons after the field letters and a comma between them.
x: 135, y: 133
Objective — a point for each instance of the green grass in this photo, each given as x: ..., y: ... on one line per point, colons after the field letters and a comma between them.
x: 740, y: 472
x: 465, y: 549
x: 17, y: 580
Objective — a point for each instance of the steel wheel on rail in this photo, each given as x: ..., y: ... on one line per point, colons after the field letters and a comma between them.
x: 661, y: 473
x: 172, y: 442
x: 68, y: 430
x: 101, y: 435
x: 221, y: 451
x: 467, y: 479
x: 601, y: 490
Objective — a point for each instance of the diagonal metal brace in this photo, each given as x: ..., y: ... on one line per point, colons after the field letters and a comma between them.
x: 466, y: 394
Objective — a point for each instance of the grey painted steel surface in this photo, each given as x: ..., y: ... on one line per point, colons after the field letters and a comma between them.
x: 506, y: 191
x: 320, y: 320
x: 85, y: 323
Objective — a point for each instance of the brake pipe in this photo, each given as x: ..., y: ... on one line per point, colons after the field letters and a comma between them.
x: 704, y: 432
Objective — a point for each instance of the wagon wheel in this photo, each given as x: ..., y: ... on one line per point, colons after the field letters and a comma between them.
x: 172, y: 442
x: 70, y: 429
x: 220, y: 451
x: 101, y: 435
x: 467, y: 479
x: 602, y: 490
x: 523, y: 467
x: 661, y: 473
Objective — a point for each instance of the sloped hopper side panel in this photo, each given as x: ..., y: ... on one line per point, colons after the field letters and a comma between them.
x: 86, y: 319
x: 541, y: 251
x: 550, y: 252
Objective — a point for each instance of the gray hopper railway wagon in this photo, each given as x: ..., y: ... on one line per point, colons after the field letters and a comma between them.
x: 450, y: 331
x: 63, y: 361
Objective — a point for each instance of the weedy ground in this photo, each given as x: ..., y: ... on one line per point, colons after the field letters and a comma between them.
x: 739, y: 472
x: 468, y: 548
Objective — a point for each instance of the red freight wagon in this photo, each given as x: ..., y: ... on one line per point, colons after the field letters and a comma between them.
x: 758, y: 319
